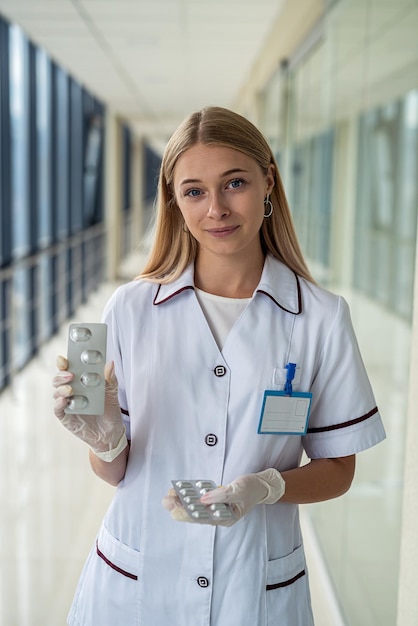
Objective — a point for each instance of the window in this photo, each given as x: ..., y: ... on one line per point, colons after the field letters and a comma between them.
x: 311, y: 196
x: 43, y: 147
x: 127, y: 147
x: 76, y: 157
x: 387, y: 198
x: 45, y: 116
x: 61, y: 152
x: 19, y: 120
x: 21, y: 317
x: 92, y: 168
x: 5, y: 213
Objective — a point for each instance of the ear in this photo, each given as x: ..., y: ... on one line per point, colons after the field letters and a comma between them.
x: 270, y: 178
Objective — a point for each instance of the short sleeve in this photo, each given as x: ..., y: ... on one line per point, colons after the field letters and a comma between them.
x: 344, y: 418
x: 114, y: 354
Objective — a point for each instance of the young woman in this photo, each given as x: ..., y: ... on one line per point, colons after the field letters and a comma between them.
x: 227, y: 362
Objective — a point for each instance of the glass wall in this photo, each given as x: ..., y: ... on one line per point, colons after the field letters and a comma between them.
x: 20, y: 191
x: 51, y: 197
x: 126, y: 201
x: 311, y: 194
x: 20, y: 155
x: 387, y: 200
x: 44, y: 135
x: 349, y: 156
x: 5, y: 215
x: 151, y: 169
x: 43, y: 144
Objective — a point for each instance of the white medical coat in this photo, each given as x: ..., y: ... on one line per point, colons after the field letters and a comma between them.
x: 192, y: 411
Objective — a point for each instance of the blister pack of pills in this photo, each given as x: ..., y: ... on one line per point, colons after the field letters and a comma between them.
x: 86, y: 359
x: 190, y: 492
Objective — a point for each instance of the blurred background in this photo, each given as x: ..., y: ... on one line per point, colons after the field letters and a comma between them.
x: 90, y: 90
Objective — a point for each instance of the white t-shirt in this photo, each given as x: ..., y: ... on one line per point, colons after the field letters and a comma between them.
x: 221, y: 313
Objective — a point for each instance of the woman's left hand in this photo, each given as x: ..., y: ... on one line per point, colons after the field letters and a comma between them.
x: 242, y: 495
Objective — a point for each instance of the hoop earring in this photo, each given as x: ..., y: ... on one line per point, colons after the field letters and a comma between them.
x: 268, y: 203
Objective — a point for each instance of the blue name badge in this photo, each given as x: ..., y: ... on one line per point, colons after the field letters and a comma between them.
x: 284, y: 414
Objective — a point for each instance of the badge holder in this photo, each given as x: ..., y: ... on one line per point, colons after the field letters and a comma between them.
x: 285, y: 412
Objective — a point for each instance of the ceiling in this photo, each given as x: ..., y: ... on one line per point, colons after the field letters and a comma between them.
x: 151, y: 61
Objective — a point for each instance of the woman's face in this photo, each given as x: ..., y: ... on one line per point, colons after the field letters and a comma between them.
x: 220, y: 192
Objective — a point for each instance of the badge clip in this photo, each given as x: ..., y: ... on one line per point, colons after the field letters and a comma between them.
x: 291, y: 369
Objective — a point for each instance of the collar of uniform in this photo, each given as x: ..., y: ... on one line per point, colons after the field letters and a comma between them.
x: 183, y: 282
x: 281, y: 284
x: 277, y: 282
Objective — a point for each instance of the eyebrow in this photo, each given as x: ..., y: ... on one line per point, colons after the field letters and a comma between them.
x: 235, y: 170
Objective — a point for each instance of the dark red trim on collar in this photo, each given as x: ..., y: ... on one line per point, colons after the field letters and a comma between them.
x: 278, y: 303
x: 324, y: 429
x: 170, y: 296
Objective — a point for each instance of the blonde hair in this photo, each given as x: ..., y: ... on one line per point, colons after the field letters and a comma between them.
x: 174, y: 249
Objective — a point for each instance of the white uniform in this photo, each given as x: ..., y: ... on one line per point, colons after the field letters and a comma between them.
x: 193, y: 412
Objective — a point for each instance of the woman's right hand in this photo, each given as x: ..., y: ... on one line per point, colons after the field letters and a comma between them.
x: 105, y: 434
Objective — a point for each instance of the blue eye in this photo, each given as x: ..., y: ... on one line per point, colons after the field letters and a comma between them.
x: 193, y: 193
x: 235, y: 184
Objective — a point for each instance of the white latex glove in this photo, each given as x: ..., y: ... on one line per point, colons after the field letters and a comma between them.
x: 243, y: 494
x: 105, y: 434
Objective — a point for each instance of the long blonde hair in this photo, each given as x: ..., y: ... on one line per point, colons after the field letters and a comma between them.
x: 173, y: 248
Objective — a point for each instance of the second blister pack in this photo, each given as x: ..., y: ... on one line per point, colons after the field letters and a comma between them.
x: 190, y: 492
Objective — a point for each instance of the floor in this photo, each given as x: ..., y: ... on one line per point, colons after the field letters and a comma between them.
x: 52, y: 504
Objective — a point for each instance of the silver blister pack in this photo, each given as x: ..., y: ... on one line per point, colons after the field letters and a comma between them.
x: 190, y: 492
x: 86, y: 359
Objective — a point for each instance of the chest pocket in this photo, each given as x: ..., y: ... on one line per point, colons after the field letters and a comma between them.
x: 280, y: 376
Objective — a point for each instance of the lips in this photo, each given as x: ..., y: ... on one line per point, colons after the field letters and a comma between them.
x: 222, y: 232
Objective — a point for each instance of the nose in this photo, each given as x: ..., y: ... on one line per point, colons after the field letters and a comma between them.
x: 217, y: 208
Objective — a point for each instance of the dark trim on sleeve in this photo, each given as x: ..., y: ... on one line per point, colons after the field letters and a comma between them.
x: 124, y: 411
x: 286, y: 583
x: 324, y: 429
